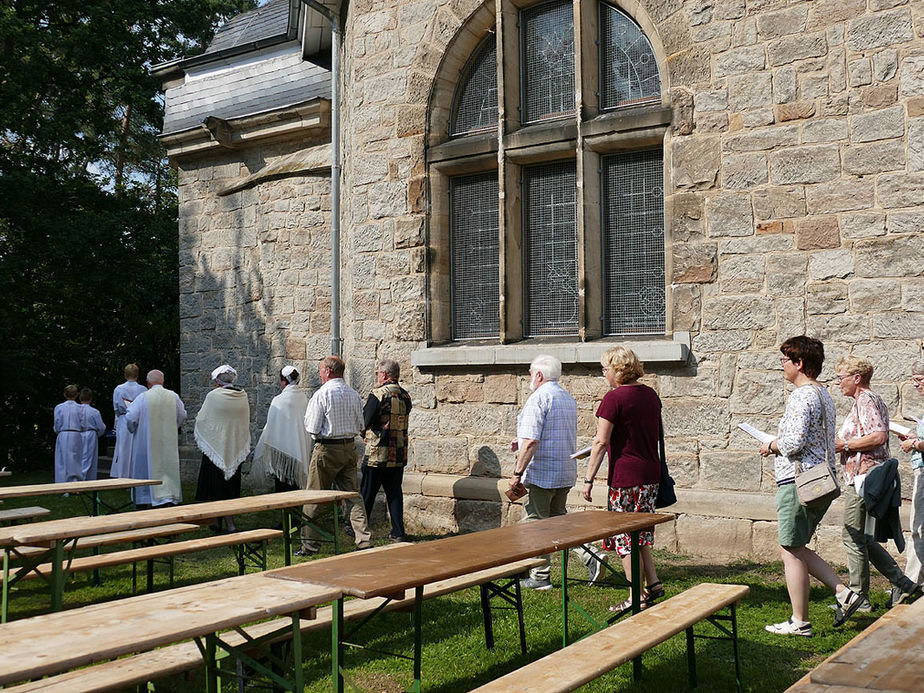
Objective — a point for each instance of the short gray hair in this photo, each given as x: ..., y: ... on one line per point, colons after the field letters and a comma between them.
x: 549, y: 366
x: 391, y: 368
x: 918, y: 367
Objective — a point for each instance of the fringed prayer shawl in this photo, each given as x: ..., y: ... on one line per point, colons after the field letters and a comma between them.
x: 283, y: 446
x: 223, y: 428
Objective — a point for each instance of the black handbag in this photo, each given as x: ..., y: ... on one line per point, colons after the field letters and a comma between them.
x: 666, y: 496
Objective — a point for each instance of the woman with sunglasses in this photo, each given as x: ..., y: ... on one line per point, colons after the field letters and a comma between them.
x: 914, y: 558
x: 863, y: 443
x: 805, y: 436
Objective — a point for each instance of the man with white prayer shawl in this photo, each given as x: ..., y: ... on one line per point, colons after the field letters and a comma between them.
x: 122, y: 397
x: 283, y: 449
x: 89, y: 458
x: 153, y: 418
x: 223, y: 436
x: 69, y: 423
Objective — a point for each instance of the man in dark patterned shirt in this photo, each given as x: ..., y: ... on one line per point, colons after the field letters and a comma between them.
x: 386, y: 416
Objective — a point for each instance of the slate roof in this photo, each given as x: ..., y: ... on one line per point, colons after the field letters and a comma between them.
x: 269, y: 21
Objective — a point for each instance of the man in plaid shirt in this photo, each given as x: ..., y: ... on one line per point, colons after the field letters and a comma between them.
x: 334, y: 418
x: 546, y: 438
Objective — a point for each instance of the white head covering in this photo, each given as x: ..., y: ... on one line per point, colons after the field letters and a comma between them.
x: 228, y: 371
x: 287, y: 372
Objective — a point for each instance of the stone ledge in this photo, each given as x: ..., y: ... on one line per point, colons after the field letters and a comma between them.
x: 675, y: 351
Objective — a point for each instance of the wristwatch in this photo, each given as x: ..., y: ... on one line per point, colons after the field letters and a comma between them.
x: 846, y: 446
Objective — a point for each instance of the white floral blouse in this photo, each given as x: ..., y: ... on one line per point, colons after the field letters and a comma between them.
x: 801, y: 436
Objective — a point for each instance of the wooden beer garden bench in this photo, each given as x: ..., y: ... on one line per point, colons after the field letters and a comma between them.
x: 249, y: 547
x: 186, y: 656
x: 14, y: 515
x: 595, y: 655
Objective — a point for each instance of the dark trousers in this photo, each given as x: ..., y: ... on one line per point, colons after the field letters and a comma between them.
x: 390, y: 479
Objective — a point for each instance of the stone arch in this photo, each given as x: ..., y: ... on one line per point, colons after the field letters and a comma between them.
x: 638, y: 11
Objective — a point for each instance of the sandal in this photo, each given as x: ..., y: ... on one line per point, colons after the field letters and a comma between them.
x: 654, y: 592
x: 627, y: 605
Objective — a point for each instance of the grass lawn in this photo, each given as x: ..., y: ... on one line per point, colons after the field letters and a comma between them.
x: 454, y: 655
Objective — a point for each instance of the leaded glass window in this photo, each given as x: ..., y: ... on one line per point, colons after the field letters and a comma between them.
x: 550, y: 249
x: 633, y: 243
x: 475, y: 103
x: 474, y: 252
x: 628, y: 69
x: 547, y: 60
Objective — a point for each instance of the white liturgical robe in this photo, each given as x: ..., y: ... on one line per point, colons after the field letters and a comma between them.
x: 122, y: 397
x: 90, y: 457
x: 153, y: 418
x: 70, y: 422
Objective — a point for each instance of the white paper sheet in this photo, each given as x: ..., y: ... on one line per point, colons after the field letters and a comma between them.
x: 899, y: 429
x: 756, y: 432
x: 581, y: 454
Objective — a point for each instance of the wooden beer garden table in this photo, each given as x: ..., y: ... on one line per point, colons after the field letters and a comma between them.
x: 367, y: 575
x: 84, y: 489
x: 57, y: 534
x: 52, y: 643
x: 887, y: 656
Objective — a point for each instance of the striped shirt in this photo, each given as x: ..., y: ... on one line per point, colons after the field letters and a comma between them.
x: 550, y: 416
x: 334, y: 411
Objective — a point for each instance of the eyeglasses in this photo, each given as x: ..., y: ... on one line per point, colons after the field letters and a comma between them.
x: 784, y: 360
x: 917, y: 379
x: 838, y: 377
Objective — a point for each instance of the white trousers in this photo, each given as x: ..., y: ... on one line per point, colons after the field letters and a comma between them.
x: 914, y: 556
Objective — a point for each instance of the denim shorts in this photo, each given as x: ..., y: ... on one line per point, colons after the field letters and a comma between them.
x: 796, y: 523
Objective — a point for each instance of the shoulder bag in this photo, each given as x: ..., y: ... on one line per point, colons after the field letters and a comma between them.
x: 817, y: 487
x: 666, y: 495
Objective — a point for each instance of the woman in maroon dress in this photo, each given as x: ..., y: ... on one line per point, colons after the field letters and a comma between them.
x: 628, y: 431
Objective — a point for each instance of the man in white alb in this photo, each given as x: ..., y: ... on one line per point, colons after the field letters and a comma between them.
x: 122, y: 397
x: 154, y: 418
x: 89, y: 459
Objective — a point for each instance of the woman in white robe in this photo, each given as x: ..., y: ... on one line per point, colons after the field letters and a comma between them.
x: 223, y: 435
x: 283, y: 451
x: 69, y: 423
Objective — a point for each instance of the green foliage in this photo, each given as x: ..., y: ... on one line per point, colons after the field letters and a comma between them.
x: 88, y: 210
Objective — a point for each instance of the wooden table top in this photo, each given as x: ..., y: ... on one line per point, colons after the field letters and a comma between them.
x: 60, y: 641
x: 363, y: 574
x: 887, y: 656
x: 73, y: 487
x: 43, y: 533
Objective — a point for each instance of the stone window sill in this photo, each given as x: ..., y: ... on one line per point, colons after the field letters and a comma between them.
x: 669, y: 351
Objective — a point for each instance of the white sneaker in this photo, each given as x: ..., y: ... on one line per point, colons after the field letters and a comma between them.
x: 848, y: 601
x: 534, y: 584
x: 593, y: 571
x: 790, y: 628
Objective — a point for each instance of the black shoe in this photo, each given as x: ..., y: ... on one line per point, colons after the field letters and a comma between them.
x: 306, y: 551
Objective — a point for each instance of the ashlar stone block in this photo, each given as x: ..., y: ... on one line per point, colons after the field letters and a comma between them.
x: 916, y: 144
x: 830, y: 264
x: 808, y: 164
x: 912, y: 76
x: 902, y: 325
x: 744, y: 171
x: 779, y: 203
x: 750, y: 91
x: 863, y: 225
x: 695, y: 417
x: 885, y: 65
x: 841, y: 195
x: 823, y: 298
x: 874, y: 295
x: 740, y: 274
x: 900, y: 189
x: 786, y: 274
x: 740, y: 61
x: 715, y: 537
x: 880, y: 30
x: 910, y: 221
x: 696, y: 161
x: 729, y: 214
x: 815, y: 233
x: 879, y: 125
x: 789, y: 49
x: 774, y: 25
x: 735, y: 471
x: 738, y: 313
x: 889, y: 257
x: 875, y: 157
x: 694, y: 262
x: 859, y: 72
x: 755, y: 393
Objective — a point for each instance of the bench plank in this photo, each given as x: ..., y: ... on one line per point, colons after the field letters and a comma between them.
x: 148, y: 553
x: 97, y: 540
x: 27, y: 513
x: 599, y: 653
x: 176, y: 659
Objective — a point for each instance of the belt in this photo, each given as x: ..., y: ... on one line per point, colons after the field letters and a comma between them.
x: 334, y: 441
x: 70, y: 430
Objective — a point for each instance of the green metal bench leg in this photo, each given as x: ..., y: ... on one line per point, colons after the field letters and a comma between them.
x: 418, y: 643
x: 212, y: 676
x: 336, y: 646
x: 287, y: 534
x: 691, y: 657
x: 734, y: 622
x: 6, y: 585
x: 57, y: 576
x: 150, y: 575
x: 636, y: 590
x: 565, y: 600
x: 298, y: 674
x: 336, y: 527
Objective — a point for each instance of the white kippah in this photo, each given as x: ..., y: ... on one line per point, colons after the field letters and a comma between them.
x: 287, y: 371
x: 223, y: 369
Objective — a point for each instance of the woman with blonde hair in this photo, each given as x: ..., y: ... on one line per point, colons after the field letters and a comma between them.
x: 629, y: 432
x: 863, y: 442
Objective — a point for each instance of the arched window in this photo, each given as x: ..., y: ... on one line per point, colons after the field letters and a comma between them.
x: 555, y: 229
x: 628, y: 69
x: 475, y: 106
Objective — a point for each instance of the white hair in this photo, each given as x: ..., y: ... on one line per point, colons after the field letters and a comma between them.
x: 549, y: 366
